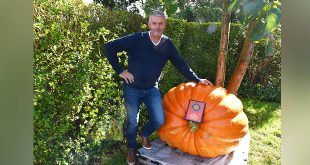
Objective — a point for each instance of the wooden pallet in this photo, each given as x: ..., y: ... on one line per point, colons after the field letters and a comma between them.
x: 162, y: 154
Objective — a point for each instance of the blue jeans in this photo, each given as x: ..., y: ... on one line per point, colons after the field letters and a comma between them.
x: 153, y: 102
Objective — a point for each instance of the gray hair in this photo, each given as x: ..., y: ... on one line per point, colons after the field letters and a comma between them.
x: 158, y: 13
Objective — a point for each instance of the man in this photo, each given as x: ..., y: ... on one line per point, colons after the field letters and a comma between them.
x: 148, y: 52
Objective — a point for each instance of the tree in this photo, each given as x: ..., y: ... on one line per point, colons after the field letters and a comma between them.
x: 200, y: 10
x: 168, y: 6
x: 119, y: 4
x: 189, y: 10
x: 221, y: 64
x: 261, y: 17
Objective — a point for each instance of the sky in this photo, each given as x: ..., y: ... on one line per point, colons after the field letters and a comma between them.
x: 88, y: 1
x: 138, y: 4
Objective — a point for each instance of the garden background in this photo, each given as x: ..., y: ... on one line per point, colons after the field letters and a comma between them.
x: 78, y: 105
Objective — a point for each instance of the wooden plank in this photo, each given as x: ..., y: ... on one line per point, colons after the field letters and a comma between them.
x: 162, y: 154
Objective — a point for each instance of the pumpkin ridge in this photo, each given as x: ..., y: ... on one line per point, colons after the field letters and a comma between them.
x: 209, y: 92
x: 170, y: 113
x: 223, y: 109
x: 225, y: 147
x: 219, y: 118
x: 233, y: 103
x: 170, y: 101
x: 229, y: 134
x: 220, y: 112
x: 196, y: 143
x: 186, y: 141
x: 178, y: 127
x: 205, y: 146
x: 219, y: 124
x: 210, y: 108
x: 223, y: 125
x: 187, y: 91
x: 226, y: 140
x: 175, y: 94
x: 179, y: 122
x: 209, y: 113
x: 214, y: 102
x: 172, y: 139
x: 192, y: 146
x: 197, y: 90
x: 185, y: 128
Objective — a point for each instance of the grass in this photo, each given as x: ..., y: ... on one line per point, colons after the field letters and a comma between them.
x: 265, y: 129
x: 119, y: 157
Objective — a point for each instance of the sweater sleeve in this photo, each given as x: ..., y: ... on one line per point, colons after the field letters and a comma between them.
x: 181, y: 65
x: 118, y: 45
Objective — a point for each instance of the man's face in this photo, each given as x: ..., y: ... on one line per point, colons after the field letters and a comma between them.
x: 157, y: 25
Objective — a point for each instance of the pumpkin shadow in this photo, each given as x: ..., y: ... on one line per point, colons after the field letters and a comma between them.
x: 259, y: 112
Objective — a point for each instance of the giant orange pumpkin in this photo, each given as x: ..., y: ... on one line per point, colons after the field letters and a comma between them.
x: 222, y: 127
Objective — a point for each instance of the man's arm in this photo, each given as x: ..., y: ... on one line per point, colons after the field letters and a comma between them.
x: 183, y: 67
x: 113, y: 47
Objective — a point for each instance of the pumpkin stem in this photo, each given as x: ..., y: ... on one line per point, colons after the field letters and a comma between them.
x: 193, y: 126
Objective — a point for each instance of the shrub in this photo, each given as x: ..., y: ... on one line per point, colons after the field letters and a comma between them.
x: 77, y: 102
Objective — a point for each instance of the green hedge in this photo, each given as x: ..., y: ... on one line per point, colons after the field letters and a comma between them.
x: 77, y: 101
x: 199, y: 46
x: 77, y: 96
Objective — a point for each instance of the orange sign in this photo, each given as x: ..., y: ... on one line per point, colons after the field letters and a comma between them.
x: 195, y: 111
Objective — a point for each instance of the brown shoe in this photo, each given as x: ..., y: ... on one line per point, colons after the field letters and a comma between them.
x: 145, y: 142
x: 131, y: 156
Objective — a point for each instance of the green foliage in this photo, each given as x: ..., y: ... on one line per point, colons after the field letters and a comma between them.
x: 200, y: 11
x: 171, y: 7
x: 78, y: 102
x: 261, y: 17
x: 266, y: 15
x: 234, y: 4
x: 265, y: 27
x: 151, y: 5
x: 248, y: 9
x: 191, y: 11
x: 263, y: 77
x: 199, y: 48
x: 118, y: 4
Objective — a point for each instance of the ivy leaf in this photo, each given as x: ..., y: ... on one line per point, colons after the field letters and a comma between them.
x: 243, y: 19
x: 258, y: 31
x: 234, y: 5
x: 267, y: 26
x: 273, y: 19
x: 253, y: 7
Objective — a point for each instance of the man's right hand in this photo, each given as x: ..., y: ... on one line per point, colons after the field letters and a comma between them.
x: 128, y: 77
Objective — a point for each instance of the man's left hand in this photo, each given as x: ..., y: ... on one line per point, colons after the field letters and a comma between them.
x: 205, y: 81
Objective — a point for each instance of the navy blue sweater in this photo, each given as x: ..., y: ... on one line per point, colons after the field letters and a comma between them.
x: 145, y: 60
